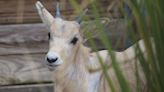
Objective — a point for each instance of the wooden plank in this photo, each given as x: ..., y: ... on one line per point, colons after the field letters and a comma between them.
x: 28, y: 88
x: 115, y: 34
x: 27, y: 38
x: 24, y: 11
x: 25, y: 68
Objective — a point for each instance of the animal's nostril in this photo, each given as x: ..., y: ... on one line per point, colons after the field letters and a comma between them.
x: 52, y: 60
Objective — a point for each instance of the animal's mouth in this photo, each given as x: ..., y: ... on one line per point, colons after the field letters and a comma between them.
x: 52, y: 67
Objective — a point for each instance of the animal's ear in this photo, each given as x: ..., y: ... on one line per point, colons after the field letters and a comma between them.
x: 46, y: 17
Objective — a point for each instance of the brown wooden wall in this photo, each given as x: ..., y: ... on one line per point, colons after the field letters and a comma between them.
x: 24, y: 11
x: 23, y: 47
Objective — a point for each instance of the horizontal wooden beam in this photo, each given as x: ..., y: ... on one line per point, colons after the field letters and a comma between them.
x: 24, y: 11
x: 28, y: 88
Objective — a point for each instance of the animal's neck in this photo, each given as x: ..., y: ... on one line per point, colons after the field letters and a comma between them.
x: 81, y: 56
x: 75, y: 75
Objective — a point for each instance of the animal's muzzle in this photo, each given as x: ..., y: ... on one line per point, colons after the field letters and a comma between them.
x: 53, y: 59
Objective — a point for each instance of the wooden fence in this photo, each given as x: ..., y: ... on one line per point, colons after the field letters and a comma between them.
x: 23, y: 48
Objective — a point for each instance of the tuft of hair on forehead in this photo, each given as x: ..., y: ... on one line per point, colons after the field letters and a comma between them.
x: 63, y: 28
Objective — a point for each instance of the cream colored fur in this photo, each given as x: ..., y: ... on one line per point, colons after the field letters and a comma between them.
x: 81, y: 70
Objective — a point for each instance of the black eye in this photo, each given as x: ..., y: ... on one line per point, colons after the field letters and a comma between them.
x: 74, y: 40
x: 49, y: 36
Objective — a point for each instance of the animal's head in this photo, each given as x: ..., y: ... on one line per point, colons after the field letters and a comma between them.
x: 64, y: 37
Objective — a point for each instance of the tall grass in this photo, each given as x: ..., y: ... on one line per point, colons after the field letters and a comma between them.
x: 147, y: 19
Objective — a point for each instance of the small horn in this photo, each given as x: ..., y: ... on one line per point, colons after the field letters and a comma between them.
x: 58, y: 10
x: 79, y: 18
x: 46, y: 17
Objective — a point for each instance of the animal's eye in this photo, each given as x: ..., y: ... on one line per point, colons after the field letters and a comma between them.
x: 74, y: 40
x: 49, y: 36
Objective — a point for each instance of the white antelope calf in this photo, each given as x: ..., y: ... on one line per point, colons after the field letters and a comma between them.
x: 75, y: 68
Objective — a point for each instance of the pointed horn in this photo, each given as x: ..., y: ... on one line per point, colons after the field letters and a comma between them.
x: 46, y: 17
x: 79, y: 18
x: 58, y: 10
